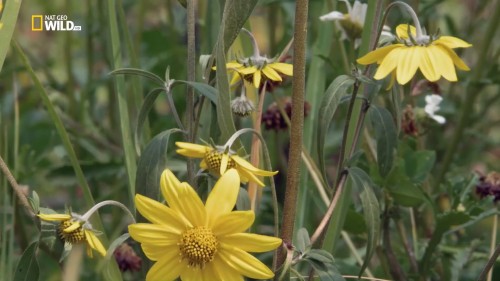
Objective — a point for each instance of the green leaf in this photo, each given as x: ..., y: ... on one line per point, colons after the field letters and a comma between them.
x: 224, y: 113
x: 34, y: 202
x: 136, y: 71
x: 208, y: 91
x: 27, y: 269
x: 327, y: 109
x: 236, y: 13
x: 419, y: 164
x: 9, y: 19
x: 323, y: 264
x: 371, y: 211
x: 109, y: 254
x: 146, y: 106
x: 303, y: 240
x: 401, y: 188
x: 386, y: 136
x: 152, y: 163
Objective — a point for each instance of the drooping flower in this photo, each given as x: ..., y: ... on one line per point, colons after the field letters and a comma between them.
x: 351, y: 23
x: 217, y: 160
x: 75, y: 229
x: 241, y: 105
x: 433, y: 55
x: 432, y: 106
x: 199, y: 241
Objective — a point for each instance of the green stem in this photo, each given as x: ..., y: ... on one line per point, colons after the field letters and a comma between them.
x: 298, y: 87
x: 489, y: 264
x: 472, y: 91
x: 191, y: 76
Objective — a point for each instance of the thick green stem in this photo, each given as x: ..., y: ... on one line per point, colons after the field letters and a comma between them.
x: 472, y: 91
x: 298, y: 91
x: 191, y: 76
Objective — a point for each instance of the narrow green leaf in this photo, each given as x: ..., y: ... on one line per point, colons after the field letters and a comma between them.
x: 136, y: 71
x: 303, y: 240
x: 146, y: 106
x: 386, y: 136
x: 152, y: 163
x: 224, y: 113
x: 327, y: 109
x: 8, y: 22
x: 27, y: 269
x: 371, y: 211
x: 208, y: 91
x: 236, y: 13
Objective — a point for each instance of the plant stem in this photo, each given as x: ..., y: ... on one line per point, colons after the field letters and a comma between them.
x: 17, y: 189
x: 489, y: 264
x: 472, y: 91
x: 191, y: 76
x: 298, y: 91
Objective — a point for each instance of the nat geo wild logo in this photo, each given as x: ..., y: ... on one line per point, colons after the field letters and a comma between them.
x: 53, y: 23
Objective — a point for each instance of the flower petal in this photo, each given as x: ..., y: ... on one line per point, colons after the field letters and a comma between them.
x: 191, y: 274
x: 168, y: 268
x: 233, y: 64
x: 427, y: 67
x: 246, y: 176
x: 74, y: 226
x: 282, y: 67
x: 270, y: 73
x: 158, y: 213
x: 256, y: 78
x: 408, y: 63
x: 250, y: 242
x: 335, y: 15
x: 94, y: 242
x: 222, y: 198
x: 459, y: 63
x: 191, y: 149
x: 388, y: 64
x: 402, y: 31
x: 248, y: 70
x: 223, y: 163
x: 244, y: 263
x: 182, y: 198
x: 442, y: 62
x: 246, y: 165
x: 54, y: 217
x: 233, y: 222
x: 451, y: 42
x: 160, y: 235
x: 225, y: 272
x: 377, y: 55
x: 155, y: 252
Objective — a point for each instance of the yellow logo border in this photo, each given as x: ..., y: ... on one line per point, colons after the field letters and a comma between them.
x: 33, y: 17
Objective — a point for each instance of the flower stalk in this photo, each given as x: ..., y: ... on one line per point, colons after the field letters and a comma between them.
x: 191, y: 76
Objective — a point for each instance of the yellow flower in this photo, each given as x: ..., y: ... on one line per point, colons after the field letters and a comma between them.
x: 257, y: 70
x: 218, y: 162
x: 434, y: 57
x: 197, y: 241
x: 74, y: 230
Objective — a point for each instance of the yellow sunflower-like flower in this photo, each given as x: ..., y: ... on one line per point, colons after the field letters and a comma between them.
x: 197, y: 241
x: 434, y: 57
x: 259, y: 69
x: 73, y: 230
x: 217, y: 161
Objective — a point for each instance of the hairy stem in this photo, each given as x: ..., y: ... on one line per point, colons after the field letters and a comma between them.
x: 17, y: 189
x: 191, y: 76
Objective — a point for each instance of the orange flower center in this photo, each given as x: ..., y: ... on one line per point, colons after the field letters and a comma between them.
x: 213, y: 159
x: 74, y: 237
x: 198, y: 246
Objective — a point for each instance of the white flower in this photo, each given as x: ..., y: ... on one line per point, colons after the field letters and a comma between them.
x: 356, y: 14
x: 432, y: 106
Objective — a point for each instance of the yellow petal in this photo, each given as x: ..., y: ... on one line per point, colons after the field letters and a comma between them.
x: 225, y: 272
x: 281, y: 67
x: 54, y: 217
x: 94, y: 242
x: 168, y: 268
x: 245, y: 164
x: 248, y: 70
x: 244, y: 263
x: 388, y: 64
x: 409, y: 61
x: 256, y: 78
x: 209, y: 272
x: 233, y: 222
x: 222, y: 198
x: 155, y: 252
x: 158, y: 213
x: 191, y: 149
x: 223, y: 163
x: 233, y: 64
x: 249, y: 176
x: 271, y: 73
x: 160, y: 235
x: 443, y: 63
x: 459, y: 63
x: 451, y: 42
x: 182, y: 198
x: 427, y: 67
x: 190, y: 274
x: 235, y: 79
x: 402, y: 31
x: 377, y: 55
x: 250, y: 242
x: 74, y: 226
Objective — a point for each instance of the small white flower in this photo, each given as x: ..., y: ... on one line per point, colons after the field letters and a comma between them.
x: 356, y: 13
x: 432, y: 106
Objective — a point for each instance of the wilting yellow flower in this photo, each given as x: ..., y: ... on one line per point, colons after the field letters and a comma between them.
x: 259, y: 69
x: 196, y: 241
x: 433, y: 56
x: 218, y: 162
x: 75, y: 230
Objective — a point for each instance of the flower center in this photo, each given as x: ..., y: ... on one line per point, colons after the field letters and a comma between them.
x: 198, y: 245
x: 213, y: 159
x: 74, y: 237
